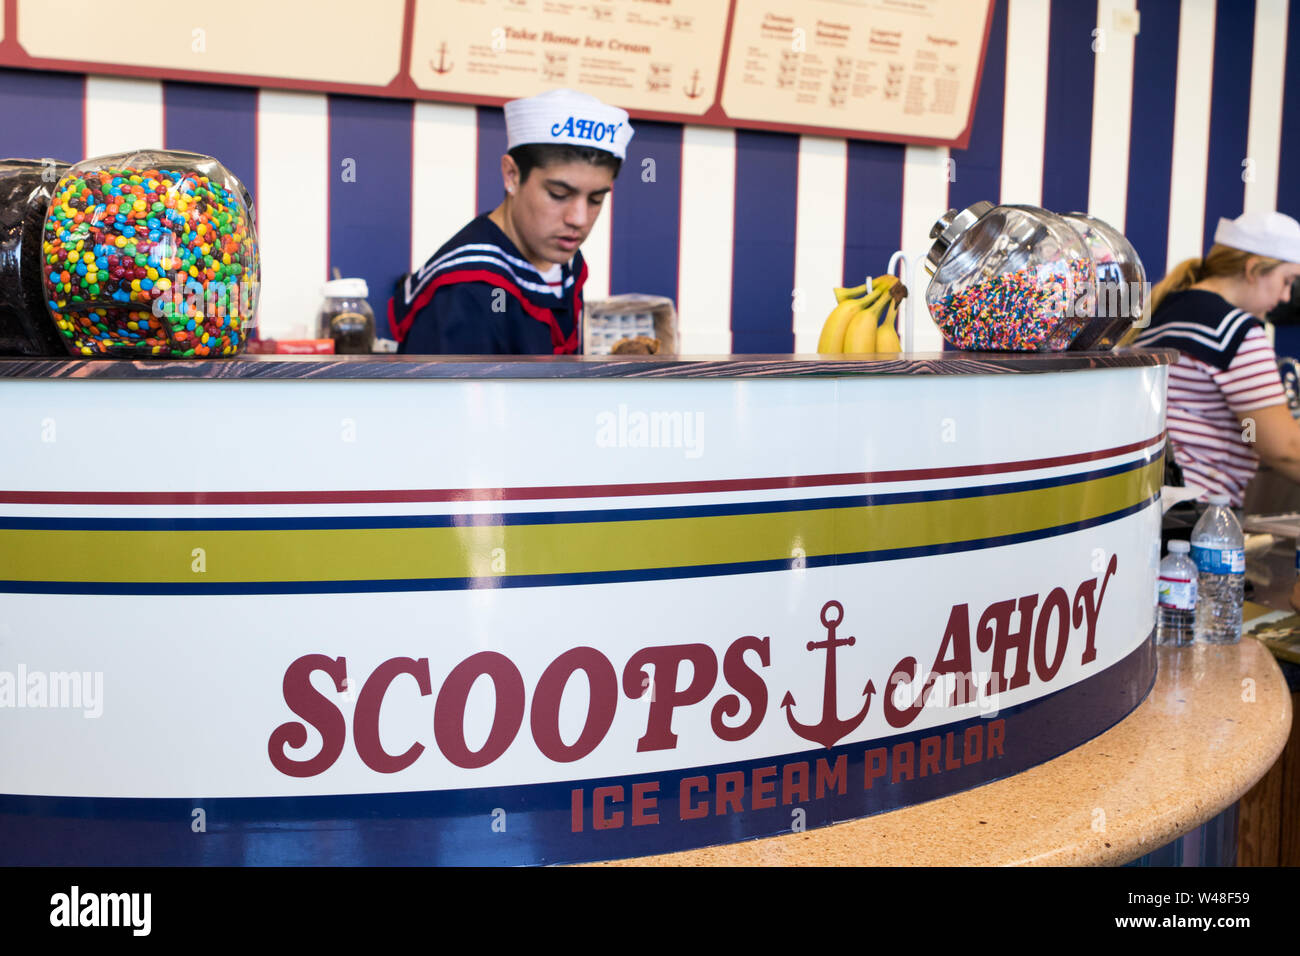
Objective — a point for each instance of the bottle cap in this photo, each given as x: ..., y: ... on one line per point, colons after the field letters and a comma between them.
x: 1219, y: 499
x: 1179, y: 546
x: 346, y: 289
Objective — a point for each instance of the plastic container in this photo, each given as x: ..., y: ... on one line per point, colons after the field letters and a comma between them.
x: 151, y: 253
x: 1176, y: 597
x: 1219, y: 550
x: 1010, y: 278
x: 26, y: 186
x: 1122, y: 290
x: 346, y: 317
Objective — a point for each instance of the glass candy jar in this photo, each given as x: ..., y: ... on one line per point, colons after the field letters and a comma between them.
x: 1009, y: 278
x: 151, y: 253
x: 1122, y: 291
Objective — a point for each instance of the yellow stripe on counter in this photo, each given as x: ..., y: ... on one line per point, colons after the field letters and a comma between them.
x: 187, y: 556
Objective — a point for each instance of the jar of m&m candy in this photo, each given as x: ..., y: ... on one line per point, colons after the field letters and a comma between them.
x: 25, y: 189
x: 1010, y: 278
x: 151, y: 253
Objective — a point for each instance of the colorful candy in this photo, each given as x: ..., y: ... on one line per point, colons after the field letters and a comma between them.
x: 1028, y: 310
x: 151, y: 254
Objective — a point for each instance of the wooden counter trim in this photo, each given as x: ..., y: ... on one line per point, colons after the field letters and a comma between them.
x: 577, y: 367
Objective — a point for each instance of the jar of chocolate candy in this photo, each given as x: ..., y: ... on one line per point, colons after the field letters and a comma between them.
x: 1010, y: 278
x: 25, y: 189
x: 346, y: 317
x: 151, y: 253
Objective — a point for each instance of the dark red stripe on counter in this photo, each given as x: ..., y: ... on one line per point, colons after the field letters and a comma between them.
x: 558, y: 491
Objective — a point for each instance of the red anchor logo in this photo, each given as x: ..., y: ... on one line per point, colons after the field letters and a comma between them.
x: 442, y: 66
x: 831, y: 728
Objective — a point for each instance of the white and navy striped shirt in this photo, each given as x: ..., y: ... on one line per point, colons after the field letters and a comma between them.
x: 1226, y: 367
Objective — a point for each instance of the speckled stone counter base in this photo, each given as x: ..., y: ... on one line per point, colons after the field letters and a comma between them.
x: 1214, y: 723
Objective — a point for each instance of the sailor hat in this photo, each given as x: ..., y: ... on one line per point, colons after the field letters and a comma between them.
x: 569, y: 118
x: 1264, y: 233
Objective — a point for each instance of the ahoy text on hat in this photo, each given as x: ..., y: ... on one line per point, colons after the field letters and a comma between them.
x: 569, y: 118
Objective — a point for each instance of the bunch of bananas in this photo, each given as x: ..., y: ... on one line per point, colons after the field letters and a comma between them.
x: 854, y: 325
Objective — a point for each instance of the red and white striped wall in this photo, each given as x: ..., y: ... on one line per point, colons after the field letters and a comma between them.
x: 1159, y: 133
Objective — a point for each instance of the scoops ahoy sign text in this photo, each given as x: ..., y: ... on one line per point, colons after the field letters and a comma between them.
x: 829, y: 779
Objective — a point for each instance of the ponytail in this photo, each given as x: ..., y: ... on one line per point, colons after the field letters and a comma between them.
x: 1181, y: 276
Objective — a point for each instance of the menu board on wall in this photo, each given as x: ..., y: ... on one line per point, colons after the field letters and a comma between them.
x: 662, y: 56
x: 899, y: 70
x: 904, y: 67
x: 275, y: 42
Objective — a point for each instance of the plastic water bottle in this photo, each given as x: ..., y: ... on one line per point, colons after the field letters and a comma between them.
x: 1176, y: 601
x: 1219, y: 550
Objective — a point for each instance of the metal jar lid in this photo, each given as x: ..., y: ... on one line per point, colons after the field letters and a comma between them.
x: 950, y: 227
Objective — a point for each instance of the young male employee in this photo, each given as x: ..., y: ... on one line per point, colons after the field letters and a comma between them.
x: 510, y: 282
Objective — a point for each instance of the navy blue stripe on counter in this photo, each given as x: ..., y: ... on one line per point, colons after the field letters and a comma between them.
x: 762, y: 268
x: 42, y: 115
x: 563, y: 579
x: 489, y: 190
x: 1234, y: 48
x: 586, y: 516
x: 1067, y: 137
x: 370, y: 142
x: 1151, y: 135
x: 976, y: 171
x: 646, y: 229
x: 218, y: 121
x: 687, y: 806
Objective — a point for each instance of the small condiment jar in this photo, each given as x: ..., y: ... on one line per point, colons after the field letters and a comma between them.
x: 346, y: 317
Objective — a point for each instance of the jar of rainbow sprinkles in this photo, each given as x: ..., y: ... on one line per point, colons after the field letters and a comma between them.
x: 151, y: 253
x: 1010, y: 278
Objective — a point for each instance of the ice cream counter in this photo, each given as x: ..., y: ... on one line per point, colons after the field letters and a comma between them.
x: 411, y: 611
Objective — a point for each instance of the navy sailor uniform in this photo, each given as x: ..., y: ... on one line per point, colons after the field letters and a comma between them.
x: 1226, y: 368
x: 478, y: 295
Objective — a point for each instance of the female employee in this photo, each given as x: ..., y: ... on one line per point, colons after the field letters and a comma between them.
x: 1227, y: 409
x: 510, y: 282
